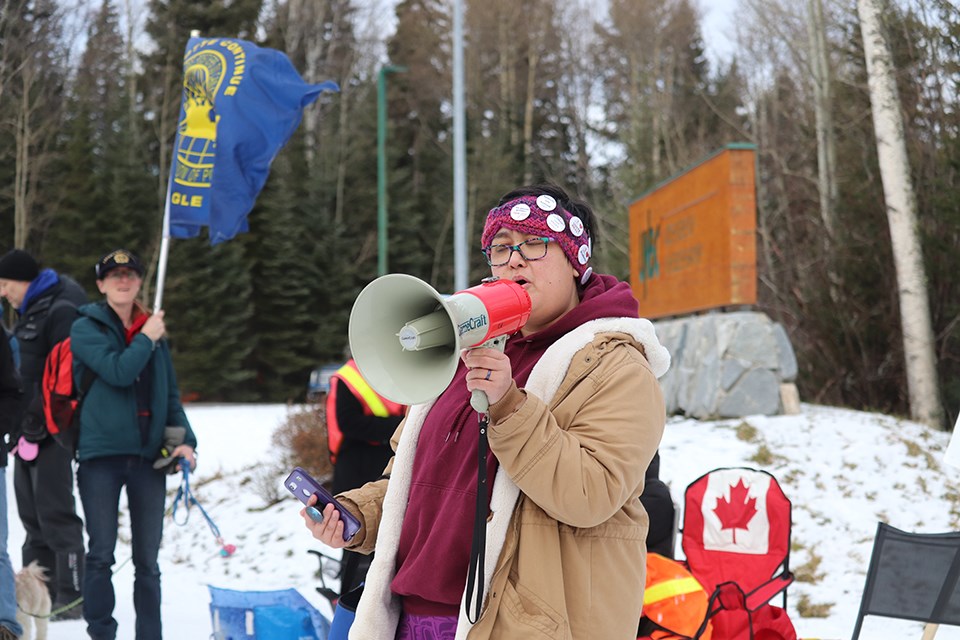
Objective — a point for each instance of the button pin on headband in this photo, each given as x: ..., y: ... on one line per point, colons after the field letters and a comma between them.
x: 520, y: 212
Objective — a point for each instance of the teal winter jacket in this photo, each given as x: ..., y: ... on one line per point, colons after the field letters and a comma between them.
x: 108, y: 416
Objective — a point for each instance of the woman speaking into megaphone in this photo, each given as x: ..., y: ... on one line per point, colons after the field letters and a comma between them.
x: 575, y: 417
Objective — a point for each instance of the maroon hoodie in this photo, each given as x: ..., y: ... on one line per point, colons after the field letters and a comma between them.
x: 434, y: 551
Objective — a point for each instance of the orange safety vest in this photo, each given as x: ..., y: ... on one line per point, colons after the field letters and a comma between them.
x: 372, y: 402
x: 674, y: 600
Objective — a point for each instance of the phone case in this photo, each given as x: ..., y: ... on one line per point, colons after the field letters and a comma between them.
x: 300, y: 484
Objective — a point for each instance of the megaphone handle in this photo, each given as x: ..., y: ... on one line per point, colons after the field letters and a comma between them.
x: 478, y: 399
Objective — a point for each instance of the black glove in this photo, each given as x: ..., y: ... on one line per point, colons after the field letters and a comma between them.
x: 34, y: 423
x: 173, y: 437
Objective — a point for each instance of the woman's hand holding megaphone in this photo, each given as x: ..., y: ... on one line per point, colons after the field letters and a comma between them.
x: 489, y: 372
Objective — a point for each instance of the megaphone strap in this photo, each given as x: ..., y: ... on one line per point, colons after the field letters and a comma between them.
x: 478, y: 548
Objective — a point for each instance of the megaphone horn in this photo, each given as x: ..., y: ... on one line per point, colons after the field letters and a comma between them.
x: 406, y: 338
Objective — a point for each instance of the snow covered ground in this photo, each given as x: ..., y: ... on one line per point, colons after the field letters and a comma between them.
x: 843, y: 470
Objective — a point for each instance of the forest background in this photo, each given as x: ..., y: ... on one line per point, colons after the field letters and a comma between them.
x: 608, y: 101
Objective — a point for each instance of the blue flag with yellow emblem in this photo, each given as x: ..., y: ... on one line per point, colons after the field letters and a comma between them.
x: 241, y: 103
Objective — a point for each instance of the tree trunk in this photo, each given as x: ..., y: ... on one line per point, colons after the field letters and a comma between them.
x: 533, y: 59
x: 508, y: 55
x: 657, y: 133
x: 918, y: 341
x: 131, y: 80
x: 305, y: 32
x: 760, y: 127
x: 21, y: 214
x: 826, y: 154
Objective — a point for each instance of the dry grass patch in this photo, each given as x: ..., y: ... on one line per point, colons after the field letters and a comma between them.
x: 808, y: 609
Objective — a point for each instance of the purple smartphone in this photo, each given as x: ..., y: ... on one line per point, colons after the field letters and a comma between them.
x: 300, y: 484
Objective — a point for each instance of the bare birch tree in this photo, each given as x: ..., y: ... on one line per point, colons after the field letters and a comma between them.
x: 901, y: 205
x: 826, y: 144
x: 36, y: 59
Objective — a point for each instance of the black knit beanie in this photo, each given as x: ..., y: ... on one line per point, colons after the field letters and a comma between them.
x: 17, y: 264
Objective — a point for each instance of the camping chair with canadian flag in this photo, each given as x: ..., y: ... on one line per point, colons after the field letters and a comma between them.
x: 736, y: 539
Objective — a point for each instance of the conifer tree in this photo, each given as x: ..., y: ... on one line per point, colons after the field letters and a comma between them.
x: 344, y: 217
x: 326, y: 176
x: 279, y: 250
x: 73, y: 233
x: 208, y: 312
x: 107, y: 197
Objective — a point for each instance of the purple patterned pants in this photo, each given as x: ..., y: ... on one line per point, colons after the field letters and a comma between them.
x: 426, y: 627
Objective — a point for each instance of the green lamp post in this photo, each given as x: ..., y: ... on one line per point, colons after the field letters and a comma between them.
x: 382, y: 165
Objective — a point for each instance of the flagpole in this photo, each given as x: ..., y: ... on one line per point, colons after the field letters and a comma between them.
x: 165, y: 236
x: 164, y: 248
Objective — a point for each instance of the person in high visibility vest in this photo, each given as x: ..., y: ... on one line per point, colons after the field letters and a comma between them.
x: 674, y: 603
x: 360, y: 423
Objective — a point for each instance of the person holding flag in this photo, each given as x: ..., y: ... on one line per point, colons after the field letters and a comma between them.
x: 132, y: 400
x: 240, y: 105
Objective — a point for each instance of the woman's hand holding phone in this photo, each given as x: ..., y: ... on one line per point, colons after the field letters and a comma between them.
x: 334, y: 517
x: 329, y: 530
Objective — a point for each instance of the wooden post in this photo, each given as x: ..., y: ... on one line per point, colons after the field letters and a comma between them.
x: 790, y: 399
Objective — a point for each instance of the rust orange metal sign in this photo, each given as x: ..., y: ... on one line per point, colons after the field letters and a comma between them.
x: 693, y: 238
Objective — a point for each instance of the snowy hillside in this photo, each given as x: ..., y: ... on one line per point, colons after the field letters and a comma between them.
x: 843, y: 470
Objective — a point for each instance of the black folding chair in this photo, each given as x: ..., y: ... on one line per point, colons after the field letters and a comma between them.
x: 330, y: 568
x: 913, y: 576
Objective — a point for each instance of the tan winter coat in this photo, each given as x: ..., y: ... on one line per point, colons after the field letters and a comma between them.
x: 566, y: 551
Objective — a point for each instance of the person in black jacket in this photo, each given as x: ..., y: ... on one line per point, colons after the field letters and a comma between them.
x: 9, y: 409
x: 360, y: 423
x: 363, y: 450
x: 662, y: 534
x: 659, y: 505
x: 47, y: 306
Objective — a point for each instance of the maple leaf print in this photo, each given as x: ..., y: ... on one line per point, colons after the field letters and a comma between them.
x: 738, y: 512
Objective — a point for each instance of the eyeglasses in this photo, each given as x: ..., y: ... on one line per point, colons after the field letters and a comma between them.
x: 532, y: 249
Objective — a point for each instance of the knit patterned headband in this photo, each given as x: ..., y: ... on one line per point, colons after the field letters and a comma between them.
x: 543, y: 216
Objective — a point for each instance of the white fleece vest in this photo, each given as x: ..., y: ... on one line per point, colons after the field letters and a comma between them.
x: 379, y: 610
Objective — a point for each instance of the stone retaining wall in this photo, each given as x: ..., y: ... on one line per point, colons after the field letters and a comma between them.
x: 726, y: 365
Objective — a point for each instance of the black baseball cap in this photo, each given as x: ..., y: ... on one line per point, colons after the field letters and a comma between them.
x: 118, y: 258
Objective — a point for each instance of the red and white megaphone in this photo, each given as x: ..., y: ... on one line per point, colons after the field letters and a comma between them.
x: 406, y: 338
